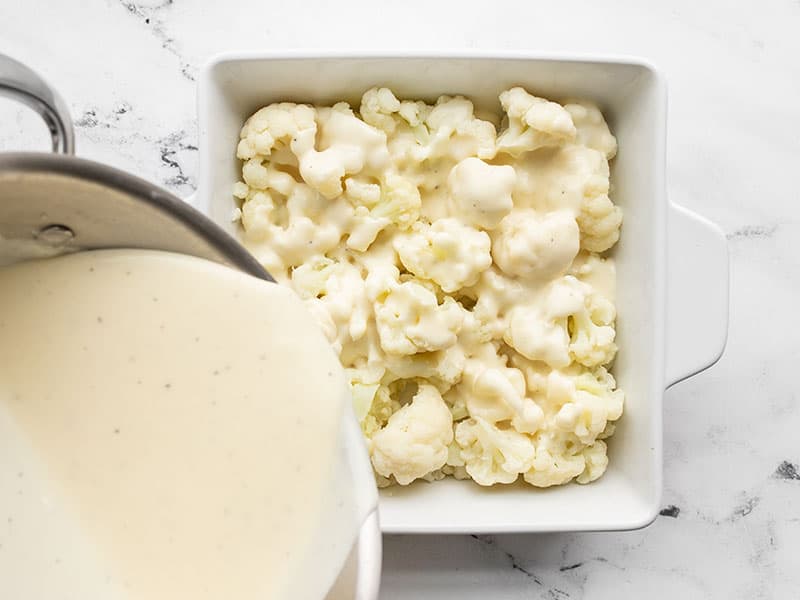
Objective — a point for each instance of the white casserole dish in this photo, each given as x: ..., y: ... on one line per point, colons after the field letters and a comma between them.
x: 672, y: 264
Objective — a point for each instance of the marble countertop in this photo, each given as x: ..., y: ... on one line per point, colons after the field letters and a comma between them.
x: 730, y: 524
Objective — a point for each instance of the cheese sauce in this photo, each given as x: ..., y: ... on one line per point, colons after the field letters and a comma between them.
x: 169, y: 428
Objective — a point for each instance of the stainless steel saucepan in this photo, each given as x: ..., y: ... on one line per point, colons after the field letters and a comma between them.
x: 71, y: 204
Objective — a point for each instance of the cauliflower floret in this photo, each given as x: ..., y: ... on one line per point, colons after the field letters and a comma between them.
x: 310, y: 280
x: 534, y: 246
x: 381, y: 108
x: 532, y: 123
x: 538, y: 331
x: 414, y: 113
x: 494, y: 297
x: 377, y: 107
x: 481, y: 324
x: 449, y: 253
x: 496, y: 393
x: 400, y: 201
x: 442, y: 368
x: 411, y: 320
x: 396, y: 201
x: 552, y: 467
x: 365, y: 227
x: 303, y: 226
x: 596, y: 459
x: 455, y: 133
x: 491, y: 453
x: 260, y: 213
x: 257, y: 213
x: 560, y: 178
x: 340, y: 288
x: 481, y: 193
x: 592, y: 129
x: 372, y: 402
x: 415, y: 440
x: 274, y: 126
x: 348, y: 145
x: 588, y: 401
x: 599, y: 220
x: 597, y: 393
x: 592, y: 332
x: 260, y: 175
x: 403, y: 122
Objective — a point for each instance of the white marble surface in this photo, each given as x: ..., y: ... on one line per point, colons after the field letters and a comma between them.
x: 731, y: 524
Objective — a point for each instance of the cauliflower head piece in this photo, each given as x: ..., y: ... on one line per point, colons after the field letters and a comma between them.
x: 570, y: 322
x: 496, y: 393
x: 533, y: 123
x: 481, y: 193
x: 415, y: 440
x: 596, y: 402
x: 381, y: 109
x: 340, y: 289
x: 595, y: 459
x: 291, y: 230
x: 454, y: 133
x: 551, y: 467
x: 372, y: 403
x: 530, y: 245
x: 394, y: 201
x: 410, y: 320
x: 561, y: 178
x: 538, y: 331
x: 493, y: 453
x: 442, y: 368
x: 599, y: 220
x: 274, y: 126
x: 592, y: 129
x: 451, y: 254
x: 592, y: 332
x: 348, y: 145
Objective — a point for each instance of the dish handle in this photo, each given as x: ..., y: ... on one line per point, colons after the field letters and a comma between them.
x: 24, y: 85
x: 697, y: 294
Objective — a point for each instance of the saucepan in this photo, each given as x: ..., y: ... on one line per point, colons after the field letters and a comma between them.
x: 55, y: 203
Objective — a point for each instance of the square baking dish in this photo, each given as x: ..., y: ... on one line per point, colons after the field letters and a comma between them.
x: 672, y: 265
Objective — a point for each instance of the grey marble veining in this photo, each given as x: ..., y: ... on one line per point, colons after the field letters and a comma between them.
x: 730, y: 523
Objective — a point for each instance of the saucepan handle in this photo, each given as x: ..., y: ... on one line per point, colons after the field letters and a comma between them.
x: 21, y: 83
x: 697, y: 294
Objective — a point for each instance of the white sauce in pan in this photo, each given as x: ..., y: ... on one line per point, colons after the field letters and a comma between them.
x: 168, y: 430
